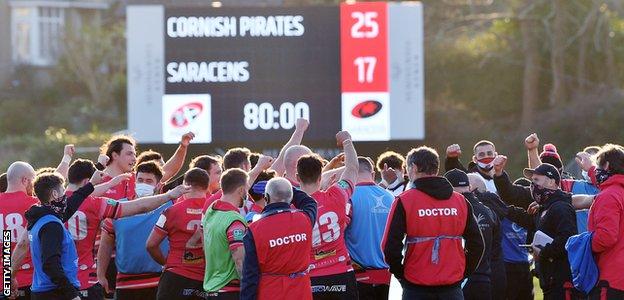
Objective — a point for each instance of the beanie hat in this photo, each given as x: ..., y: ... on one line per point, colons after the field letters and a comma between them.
x: 551, y: 156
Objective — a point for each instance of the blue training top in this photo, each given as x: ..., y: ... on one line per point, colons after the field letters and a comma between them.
x: 69, y: 257
x: 131, y: 234
x: 371, y: 206
x: 513, y: 236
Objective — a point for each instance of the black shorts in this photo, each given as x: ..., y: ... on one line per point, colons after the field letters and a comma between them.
x: 337, y: 286
x: 174, y: 286
x: 50, y: 295
x: 369, y: 291
x: 132, y: 294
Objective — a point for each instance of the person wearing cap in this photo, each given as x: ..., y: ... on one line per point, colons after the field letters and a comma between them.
x: 277, y: 256
x: 557, y: 219
x: 436, y: 223
x: 551, y: 156
x: 256, y: 193
x: 479, y: 284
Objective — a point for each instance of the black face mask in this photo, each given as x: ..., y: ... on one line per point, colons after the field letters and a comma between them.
x: 602, y: 175
x: 540, y: 194
x: 58, y: 205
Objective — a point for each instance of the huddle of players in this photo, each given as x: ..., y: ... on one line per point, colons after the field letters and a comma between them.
x: 262, y: 228
x: 205, y: 238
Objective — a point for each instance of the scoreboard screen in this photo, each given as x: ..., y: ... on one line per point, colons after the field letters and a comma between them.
x: 245, y: 74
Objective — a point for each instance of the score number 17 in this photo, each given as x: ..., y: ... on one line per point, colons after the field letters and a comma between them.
x: 365, y: 27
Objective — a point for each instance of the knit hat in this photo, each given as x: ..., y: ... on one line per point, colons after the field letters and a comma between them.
x: 551, y: 156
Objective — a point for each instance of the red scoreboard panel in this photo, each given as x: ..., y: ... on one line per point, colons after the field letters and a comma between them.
x: 245, y: 74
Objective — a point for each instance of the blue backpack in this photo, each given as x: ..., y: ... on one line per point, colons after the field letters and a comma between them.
x: 582, y: 264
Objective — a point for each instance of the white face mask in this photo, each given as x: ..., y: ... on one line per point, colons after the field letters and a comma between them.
x: 144, y: 190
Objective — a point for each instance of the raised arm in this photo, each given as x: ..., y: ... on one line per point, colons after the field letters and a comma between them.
x: 145, y: 204
x: 334, y: 163
x: 68, y: 153
x: 508, y: 192
x: 532, y: 144
x: 75, y: 200
x: 174, y: 164
x: 330, y: 177
x: 101, y: 188
x: 264, y: 162
x: 453, y: 152
x: 350, y: 172
x: 301, y: 126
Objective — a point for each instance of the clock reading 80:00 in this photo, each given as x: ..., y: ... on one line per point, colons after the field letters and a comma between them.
x: 266, y: 117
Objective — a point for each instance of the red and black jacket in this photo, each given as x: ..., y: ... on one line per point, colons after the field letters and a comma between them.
x: 434, y: 219
x: 274, y: 266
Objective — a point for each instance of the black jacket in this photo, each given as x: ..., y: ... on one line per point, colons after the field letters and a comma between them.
x: 440, y: 189
x: 51, y: 239
x: 556, y: 218
x: 490, y: 229
x: 512, y: 194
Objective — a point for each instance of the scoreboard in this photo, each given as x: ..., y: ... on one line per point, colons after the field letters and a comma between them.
x: 245, y: 74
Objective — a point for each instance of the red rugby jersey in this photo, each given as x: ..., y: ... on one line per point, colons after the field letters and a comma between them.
x: 12, y: 208
x: 181, y: 223
x: 329, y: 251
x: 84, y: 227
x: 125, y: 189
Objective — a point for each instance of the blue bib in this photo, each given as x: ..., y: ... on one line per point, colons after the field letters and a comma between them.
x: 131, y: 234
x: 69, y: 257
x: 371, y: 206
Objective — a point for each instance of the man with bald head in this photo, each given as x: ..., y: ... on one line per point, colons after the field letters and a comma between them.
x: 277, y: 256
x: 13, y: 204
x: 291, y: 157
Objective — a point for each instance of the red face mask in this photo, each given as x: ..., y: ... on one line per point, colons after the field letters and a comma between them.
x: 485, y: 163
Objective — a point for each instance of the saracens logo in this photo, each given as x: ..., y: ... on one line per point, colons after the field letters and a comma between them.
x: 366, y: 109
x: 186, y: 114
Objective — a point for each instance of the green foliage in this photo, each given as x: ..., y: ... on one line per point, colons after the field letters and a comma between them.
x: 46, y: 150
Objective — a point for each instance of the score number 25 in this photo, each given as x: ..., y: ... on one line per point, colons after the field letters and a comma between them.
x: 365, y: 27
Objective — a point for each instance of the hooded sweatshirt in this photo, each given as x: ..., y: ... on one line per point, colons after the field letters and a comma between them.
x: 440, y: 189
x: 51, y: 237
x: 557, y: 219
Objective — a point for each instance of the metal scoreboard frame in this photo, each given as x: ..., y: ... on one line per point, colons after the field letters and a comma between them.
x: 245, y: 74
